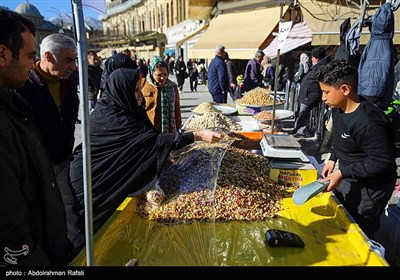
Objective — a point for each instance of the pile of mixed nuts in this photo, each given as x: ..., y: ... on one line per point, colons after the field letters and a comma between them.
x: 242, y: 191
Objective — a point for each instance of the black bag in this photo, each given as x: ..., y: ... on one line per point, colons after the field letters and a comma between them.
x: 186, y: 74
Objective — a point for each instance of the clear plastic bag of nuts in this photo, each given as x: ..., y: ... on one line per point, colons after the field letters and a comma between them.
x: 195, y: 167
x: 190, y: 177
x: 215, y: 183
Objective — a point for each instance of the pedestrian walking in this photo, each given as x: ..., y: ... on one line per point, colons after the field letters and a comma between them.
x: 218, y: 81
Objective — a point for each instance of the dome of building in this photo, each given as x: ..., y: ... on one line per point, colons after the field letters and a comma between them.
x: 27, y: 8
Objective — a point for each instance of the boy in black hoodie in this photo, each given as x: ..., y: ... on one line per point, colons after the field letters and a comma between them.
x: 364, y: 145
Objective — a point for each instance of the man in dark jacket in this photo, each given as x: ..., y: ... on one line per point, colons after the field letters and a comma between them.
x: 252, y: 75
x: 232, y: 77
x: 94, y: 74
x: 310, y: 93
x: 52, y: 94
x: 218, y: 81
x: 32, y: 216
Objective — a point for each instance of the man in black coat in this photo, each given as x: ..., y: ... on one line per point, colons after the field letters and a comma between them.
x: 310, y: 94
x: 32, y: 215
x: 94, y: 74
x: 51, y: 92
x: 218, y: 80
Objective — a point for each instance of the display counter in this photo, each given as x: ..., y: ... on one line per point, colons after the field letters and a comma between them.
x: 330, y: 237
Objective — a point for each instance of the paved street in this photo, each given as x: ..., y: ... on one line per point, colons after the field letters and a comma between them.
x: 190, y: 100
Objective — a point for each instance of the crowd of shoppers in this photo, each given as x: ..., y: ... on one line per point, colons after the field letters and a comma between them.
x: 136, y: 122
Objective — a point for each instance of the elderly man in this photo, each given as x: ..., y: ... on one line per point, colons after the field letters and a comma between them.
x: 252, y: 74
x: 218, y: 80
x: 52, y: 94
x: 32, y: 215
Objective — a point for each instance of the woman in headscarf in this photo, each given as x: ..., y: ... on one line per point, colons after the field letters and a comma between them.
x: 304, y: 66
x: 268, y: 72
x: 162, y: 98
x: 118, y: 60
x: 127, y: 152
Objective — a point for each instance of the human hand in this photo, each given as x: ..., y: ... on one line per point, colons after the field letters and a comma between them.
x: 207, y: 136
x: 335, y: 178
x: 328, y: 168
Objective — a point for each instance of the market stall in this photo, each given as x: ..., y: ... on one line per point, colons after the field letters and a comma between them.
x: 220, y: 217
x: 218, y: 201
x: 330, y: 238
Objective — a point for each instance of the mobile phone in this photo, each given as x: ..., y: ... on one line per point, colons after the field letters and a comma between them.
x: 277, y: 237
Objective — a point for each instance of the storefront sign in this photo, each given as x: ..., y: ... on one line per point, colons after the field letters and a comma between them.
x: 180, y: 31
x: 284, y: 29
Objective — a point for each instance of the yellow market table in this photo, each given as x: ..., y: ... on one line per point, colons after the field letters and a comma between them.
x: 330, y: 237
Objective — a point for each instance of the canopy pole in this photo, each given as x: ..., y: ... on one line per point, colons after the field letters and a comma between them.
x: 83, y: 95
x: 278, y: 52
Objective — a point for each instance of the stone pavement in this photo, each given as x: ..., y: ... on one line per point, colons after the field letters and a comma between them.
x: 189, y: 100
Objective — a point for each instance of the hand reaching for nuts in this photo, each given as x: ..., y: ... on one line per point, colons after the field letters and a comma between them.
x: 155, y: 196
x: 207, y: 136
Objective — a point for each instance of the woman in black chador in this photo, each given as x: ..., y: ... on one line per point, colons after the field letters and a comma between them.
x: 127, y: 152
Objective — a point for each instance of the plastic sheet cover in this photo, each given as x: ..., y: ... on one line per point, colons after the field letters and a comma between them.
x: 330, y: 236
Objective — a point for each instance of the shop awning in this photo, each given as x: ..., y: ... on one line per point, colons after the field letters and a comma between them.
x: 242, y: 33
x: 299, y: 35
x: 201, y: 30
x: 325, y: 19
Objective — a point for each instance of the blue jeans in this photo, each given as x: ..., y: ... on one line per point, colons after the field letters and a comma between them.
x: 220, y: 98
x: 193, y: 83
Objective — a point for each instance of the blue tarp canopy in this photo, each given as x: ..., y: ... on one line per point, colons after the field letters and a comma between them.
x: 169, y: 52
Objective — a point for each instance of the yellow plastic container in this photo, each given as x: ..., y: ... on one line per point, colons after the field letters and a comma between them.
x: 297, y: 173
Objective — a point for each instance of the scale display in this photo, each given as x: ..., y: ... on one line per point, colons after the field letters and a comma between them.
x: 282, y: 146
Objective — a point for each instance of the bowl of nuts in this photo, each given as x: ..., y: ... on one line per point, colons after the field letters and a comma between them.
x: 247, y: 109
x: 256, y: 101
x: 266, y: 116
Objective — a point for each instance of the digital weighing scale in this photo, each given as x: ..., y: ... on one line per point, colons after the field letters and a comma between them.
x: 283, y: 147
